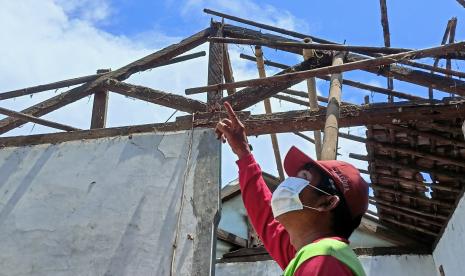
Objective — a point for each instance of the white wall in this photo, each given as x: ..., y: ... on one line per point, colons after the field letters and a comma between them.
x: 450, y: 251
x: 399, y: 265
x: 109, y: 206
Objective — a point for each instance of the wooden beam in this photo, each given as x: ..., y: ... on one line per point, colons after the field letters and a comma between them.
x: 268, y: 110
x: 312, y: 98
x: 314, y: 46
x: 305, y: 95
x: 70, y: 96
x: 227, y: 69
x: 290, y: 99
x: 80, y: 80
x: 100, y: 106
x: 32, y: 119
x: 416, y: 184
x: 387, y: 41
x: 215, y: 68
x: 291, y: 121
x: 461, y: 2
x: 408, y: 209
x: 174, y: 101
x: 418, y: 153
x: 398, y: 72
x: 451, y: 40
x: 368, y: 64
x: 355, y: 84
x: 231, y: 238
x: 410, y: 226
x: 252, y: 95
x: 330, y: 142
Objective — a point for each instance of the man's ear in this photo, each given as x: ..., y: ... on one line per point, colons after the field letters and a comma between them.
x: 329, y: 203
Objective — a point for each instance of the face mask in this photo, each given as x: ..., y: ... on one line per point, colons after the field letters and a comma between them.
x: 286, y: 196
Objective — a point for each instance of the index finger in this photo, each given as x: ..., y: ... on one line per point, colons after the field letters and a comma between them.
x: 231, y: 114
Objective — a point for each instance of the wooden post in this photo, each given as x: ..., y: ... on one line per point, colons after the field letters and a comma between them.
x: 99, y: 110
x: 215, y: 68
x: 451, y: 40
x: 312, y: 98
x: 329, y: 151
x: 227, y: 69
x: 274, y: 138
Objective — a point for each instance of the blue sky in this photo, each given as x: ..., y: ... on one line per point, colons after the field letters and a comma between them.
x: 51, y: 40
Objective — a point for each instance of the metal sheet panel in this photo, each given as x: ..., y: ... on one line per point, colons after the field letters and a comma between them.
x: 110, y: 206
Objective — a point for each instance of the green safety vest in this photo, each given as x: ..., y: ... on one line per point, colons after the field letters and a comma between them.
x: 326, y: 247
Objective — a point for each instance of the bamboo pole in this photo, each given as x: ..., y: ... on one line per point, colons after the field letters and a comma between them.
x: 312, y: 98
x: 330, y: 141
x: 355, y: 84
x: 313, y: 46
x: 32, y: 119
x: 268, y: 110
x: 335, y: 69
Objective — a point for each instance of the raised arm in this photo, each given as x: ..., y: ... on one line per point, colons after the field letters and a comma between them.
x: 255, y: 193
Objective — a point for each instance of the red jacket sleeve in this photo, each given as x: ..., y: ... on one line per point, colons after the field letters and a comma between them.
x: 323, y: 266
x: 257, y: 201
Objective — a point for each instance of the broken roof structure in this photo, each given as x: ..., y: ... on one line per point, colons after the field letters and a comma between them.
x: 415, y: 144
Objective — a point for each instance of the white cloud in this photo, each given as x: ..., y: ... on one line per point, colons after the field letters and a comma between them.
x: 89, y: 10
x: 263, y: 13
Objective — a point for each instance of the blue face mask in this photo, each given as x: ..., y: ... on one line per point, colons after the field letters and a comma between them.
x: 286, y: 196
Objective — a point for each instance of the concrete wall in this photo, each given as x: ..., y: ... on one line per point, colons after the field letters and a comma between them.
x: 400, y: 265
x: 110, y: 206
x: 450, y: 251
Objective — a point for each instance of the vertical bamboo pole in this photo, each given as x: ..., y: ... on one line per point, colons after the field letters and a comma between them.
x: 274, y: 138
x: 312, y: 98
x: 329, y: 151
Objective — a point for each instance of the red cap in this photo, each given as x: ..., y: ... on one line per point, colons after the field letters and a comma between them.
x: 346, y: 177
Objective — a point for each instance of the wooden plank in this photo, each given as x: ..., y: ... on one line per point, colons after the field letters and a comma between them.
x: 171, y: 100
x: 268, y: 110
x: 291, y: 121
x: 408, y: 209
x: 398, y: 72
x: 100, y: 106
x: 368, y: 64
x: 227, y: 69
x: 70, y: 96
x: 305, y: 95
x: 32, y: 119
x: 330, y: 142
x: 215, y: 68
x: 314, y: 46
x: 352, y: 83
x: 231, y: 238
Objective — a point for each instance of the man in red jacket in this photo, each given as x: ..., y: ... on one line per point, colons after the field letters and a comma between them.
x: 305, y: 224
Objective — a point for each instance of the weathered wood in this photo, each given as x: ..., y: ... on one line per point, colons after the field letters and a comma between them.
x: 215, y: 68
x: 330, y: 142
x: 461, y: 2
x: 411, y: 210
x: 355, y: 84
x: 360, y: 157
x: 227, y: 69
x: 433, y: 69
x: 415, y: 197
x: 368, y: 64
x: 415, y: 132
x: 387, y: 41
x: 291, y: 121
x: 410, y: 226
x: 32, y: 119
x: 312, y: 98
x: 416, y: 184
x: 268, y: 110
x: 290, y: 99
x: 398, y: 72
x: 231, y: 238
x: 80, y: 80
x: 70, y: 96
x: 311, y: 140
x: 305, y: 95
x: 451, y: 40
x: 100, y: 106
x: 174, y: 101
x: 418, y: 153
x: 252, y: 95
x: 315, y: 46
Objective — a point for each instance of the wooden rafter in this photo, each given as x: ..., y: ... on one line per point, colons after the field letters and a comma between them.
x: 32, y: 119
x: 171, y: 100
x: 352, y: 83
x: 368, y: 64
x: 398, y: 72
x: 75, y: 94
